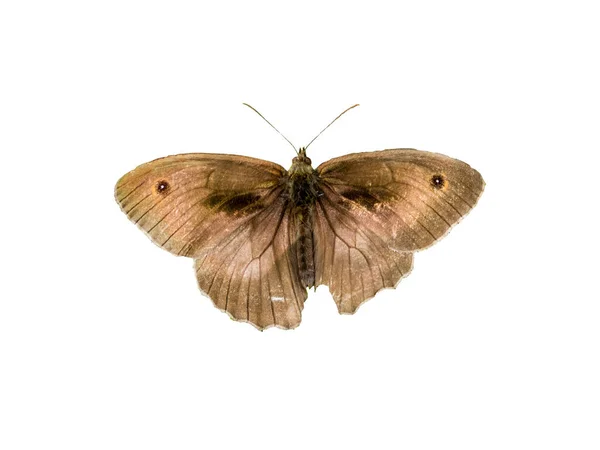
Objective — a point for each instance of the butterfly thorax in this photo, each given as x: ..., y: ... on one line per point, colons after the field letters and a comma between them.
x: 303, y: 191
x: 303, y: 181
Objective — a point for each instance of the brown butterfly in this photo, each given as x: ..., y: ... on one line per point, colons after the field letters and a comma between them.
x: 261, y: 235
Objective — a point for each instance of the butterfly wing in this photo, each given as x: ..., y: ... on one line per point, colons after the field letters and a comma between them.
x: 379, y: 207
x: 226, y: 212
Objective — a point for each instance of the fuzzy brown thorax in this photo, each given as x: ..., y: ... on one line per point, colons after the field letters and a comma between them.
x: 303, y: 181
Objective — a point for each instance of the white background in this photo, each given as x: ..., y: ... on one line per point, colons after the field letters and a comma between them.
x: 491, y: 343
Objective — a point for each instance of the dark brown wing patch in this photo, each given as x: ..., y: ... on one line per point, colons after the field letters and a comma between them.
x: 234, y: 202
x: 365, y: 197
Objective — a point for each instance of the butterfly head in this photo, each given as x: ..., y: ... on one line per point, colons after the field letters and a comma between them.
x: 302, y: 158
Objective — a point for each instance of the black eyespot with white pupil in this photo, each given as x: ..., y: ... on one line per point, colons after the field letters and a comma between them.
x: 162, y: 187
x: 438, y: 181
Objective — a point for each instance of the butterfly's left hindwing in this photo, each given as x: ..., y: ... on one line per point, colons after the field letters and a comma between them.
x: 228, y: 213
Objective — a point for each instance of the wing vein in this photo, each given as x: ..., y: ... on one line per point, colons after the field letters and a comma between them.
x: 135, y: 206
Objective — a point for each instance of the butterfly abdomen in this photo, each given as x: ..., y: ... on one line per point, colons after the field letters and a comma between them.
x: 304, y: 243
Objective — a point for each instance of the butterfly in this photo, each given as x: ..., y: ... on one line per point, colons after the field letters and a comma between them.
x: 261, y: 235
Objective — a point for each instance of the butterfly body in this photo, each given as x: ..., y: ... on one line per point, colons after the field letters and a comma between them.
x: 303, y: 192
x: 261, y: 235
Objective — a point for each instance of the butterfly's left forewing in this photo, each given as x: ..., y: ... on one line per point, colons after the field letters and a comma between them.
x: 226, y: 212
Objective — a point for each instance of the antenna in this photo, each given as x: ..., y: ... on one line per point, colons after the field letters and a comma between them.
x: 345, y: 111
x: 253, y: 109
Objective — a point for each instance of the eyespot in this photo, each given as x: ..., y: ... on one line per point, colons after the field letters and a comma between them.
x: 438, y: 181
x: 162, y: 187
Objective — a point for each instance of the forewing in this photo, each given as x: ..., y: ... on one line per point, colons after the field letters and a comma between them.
x: 182, y: 201
x: 377, y: 208
x: 411, y: 196
x: 226, y: 212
